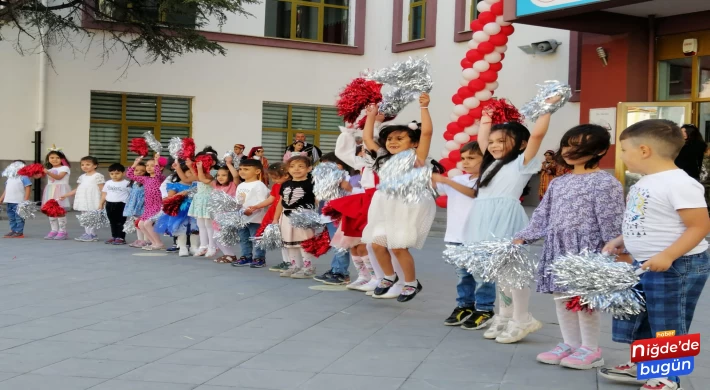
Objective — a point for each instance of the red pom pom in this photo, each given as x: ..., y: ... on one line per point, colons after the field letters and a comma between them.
x: 496, y: 66
x: 489, y: 76
x: 139, y: 147
x: 441, y: 201
x: 455, y: 156
x: 171, y: 205
x: 361, y: 123
x: 32, y: 170
x: 476, y: 26
x: 448, y: 136
x: 207, y: 162
x: 466, y: 120
x: 486, y: 48
x: 356, y: 96
x: 454, y: 128
x: 52, y: 209
x: 486, y: 17
x: 499, y: 39
x: 317, y: 245
x: 188, y: 149
x: 331, y: 212
x: 456, y: 99
x: 448, y: 164
x: 465, y: 92
x: 465, y: 63
x: 497, y: 9
x: 476, y: 85
x: 507, y: 30
x: 575, y: 304
x: 474, y: 55
x: 502, y: 111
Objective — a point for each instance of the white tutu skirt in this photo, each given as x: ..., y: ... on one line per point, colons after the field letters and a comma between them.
x: 56, y: 191
x: 494, y: 218
x: 87, y: 198
x: 396, y: 225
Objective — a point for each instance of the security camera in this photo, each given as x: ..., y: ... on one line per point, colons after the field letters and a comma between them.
x: 545, y: 47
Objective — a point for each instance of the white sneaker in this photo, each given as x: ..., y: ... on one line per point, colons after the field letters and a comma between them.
x: 211, y: 252
x: 497, y: 327
x: 304, y: 273
x: 184, y: 252
x: 393, y: 292
x: 357, y: 283
x: 517, y: 331
x: 288, y: 272
x: 369, y: 287
x: 621, y: 373
x: 660, y: 384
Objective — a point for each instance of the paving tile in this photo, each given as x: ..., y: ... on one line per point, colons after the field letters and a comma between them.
x: 445, y: 384
x: 91, y: 368
x: 129, y: 353
x: 262, y: 379
x: 157, y: 339
x: 173, y: 373
x: 54, y: 348
x: 92, y: 336
x: 48, y: 382
x: 207, y: 358
x: 11, y: 343
x: 325, y: 381
x: 289, y: 362
x: 460, y: 371
x: 119, y: 384
x: 7, y: 375
x: 354, y: 365
x: 308, y: 348
x: 235, y: 345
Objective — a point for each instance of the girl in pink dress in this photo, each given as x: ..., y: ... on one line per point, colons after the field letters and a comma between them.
x: 224, y: 181
x: 153, y: 199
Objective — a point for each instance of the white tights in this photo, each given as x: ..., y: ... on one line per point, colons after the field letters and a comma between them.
x: 301, y: 258
x: 206, y: 232
x: 226, y: 250
x: 58, y: 224
x: 141, y: 236
x: 578, y: 328
x: 379, y: 274
x: 514, y: 304
x: 284, y: 255
x: 90, y: 231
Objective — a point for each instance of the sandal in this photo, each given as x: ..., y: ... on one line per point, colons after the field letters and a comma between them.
x: 224, y: 259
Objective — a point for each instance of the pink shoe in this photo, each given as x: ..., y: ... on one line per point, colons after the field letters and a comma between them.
x: 61, y: 236
x: 556, y: 355
x: 50, y: 235
x: 584, y: 359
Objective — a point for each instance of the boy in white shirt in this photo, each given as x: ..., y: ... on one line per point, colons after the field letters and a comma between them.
x: 17, y: 190
x: 475, y: 299
x: 664, y: 229
x: 114, y: 197
x: 251, y: 192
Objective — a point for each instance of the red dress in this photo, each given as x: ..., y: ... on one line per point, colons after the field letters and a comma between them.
x: 269, y: 216
x: 352, y: 211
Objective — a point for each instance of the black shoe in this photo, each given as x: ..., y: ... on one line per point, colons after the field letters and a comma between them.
x: 337, y: 280
x: 322, y: 278
x: 409, y: 292
x: 479, y: 320
x: 459, y: 316
x: 385, y: 285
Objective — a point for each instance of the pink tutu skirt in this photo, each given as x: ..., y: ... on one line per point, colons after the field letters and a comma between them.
x: 56, y: 191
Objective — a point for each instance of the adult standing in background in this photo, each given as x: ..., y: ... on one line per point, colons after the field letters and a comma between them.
x: 690, y: 158
x: 311, y: 150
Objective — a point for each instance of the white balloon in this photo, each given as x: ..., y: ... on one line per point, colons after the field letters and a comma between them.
x: 481, y: 66
x: 492, y: 58
x: 459, y: 165
x: 471, y: 103
x: 461, y: 138
x: 501, y: 49
x: 491, y: 28
x: 453, y: 117
x: 480, y: 36
x: 454, y: 172
x: 490, y: 86
x: 483, y: 7
x: 484, y: 95
x: 460, y: 109
x: 445, y: 153
x: 463, y: 82
x: 472, y: 44
x: 471, y: 130
x: 491, y: 2
x: 469, y: 74
x: 452, y: 145
x: 500, y: 20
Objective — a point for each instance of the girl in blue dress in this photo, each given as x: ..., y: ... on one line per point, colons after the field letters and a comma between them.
x: 134, y: 205
x: 181, y: 225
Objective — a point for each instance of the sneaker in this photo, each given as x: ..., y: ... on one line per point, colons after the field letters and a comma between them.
x: 660, y: 384
x: 304, y: 273
x: 458, y: 316
x: 622, y: 373
x: 119, y: 241
x: 9, y: 235
x: 327, y: 275
x: 258, y: 263
x: 409, y: 292
x: 337, y: 280
x: 357, y: 284
x: 110, y: 241
x: 242, y: 262
x: 51, y: 235
x: 555, y: 355
x: 61, y: 236
x: 497, y: 327
x: 19, y: 235
x: 172, y: 249
x: 584, y: 359
x: 93, y: 238
x: 385, y: 285
x: 517, y: 331
x: 280, y: 267
x: 479, y: 320
x: 83, y: 238
x: 136, y: 244
x: 289, y: 271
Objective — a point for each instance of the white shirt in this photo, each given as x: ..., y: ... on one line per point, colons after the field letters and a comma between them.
x: 164, y: 188
x: 15, y: 189
x: 251, y: 194
x: 458, y: 206
x: 651, y: 221
x: 511, y: 179
x: 117, y: 191
x: 56, y: 171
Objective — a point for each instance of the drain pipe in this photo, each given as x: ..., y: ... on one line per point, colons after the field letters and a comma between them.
x: 41, y: 108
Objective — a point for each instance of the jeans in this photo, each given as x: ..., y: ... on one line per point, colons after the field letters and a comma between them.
x: 473, y: 292
x: 246, y: 244
x: 17, y: 224
x: 341, y: 260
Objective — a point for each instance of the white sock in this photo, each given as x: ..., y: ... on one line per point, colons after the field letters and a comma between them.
x: 295, y: 256
x: 391, y: 278
x: 375, y: 265
x: 357, y: 261
x: 412, y: 284
x: 368, y: 266
x: 308, y: 259
x: 89, y: 231
x: 521, y: 298
x: 589, y: 324
x: 569, y: 323
x: 506, y: 303
x: 54, y: 224
x: 285, y: 256
x: 62, y: 224
x: 140, y: 235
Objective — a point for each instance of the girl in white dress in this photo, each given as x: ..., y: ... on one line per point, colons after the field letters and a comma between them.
x: 88, y: 193
x: 58, y: 169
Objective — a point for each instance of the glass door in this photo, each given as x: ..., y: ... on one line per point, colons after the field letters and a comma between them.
x: 630, y: 113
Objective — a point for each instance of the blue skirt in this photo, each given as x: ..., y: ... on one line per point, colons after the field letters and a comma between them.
x: 494, y: 218
x: 179, y: 224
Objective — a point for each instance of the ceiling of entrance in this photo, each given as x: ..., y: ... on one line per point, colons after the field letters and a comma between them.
x: 663, y: 8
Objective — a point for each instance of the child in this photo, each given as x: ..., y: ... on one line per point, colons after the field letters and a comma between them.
x: 509, y: 161
x: 664, y: 229
x: 58, y: 170
x: 199, y: 209
x: 278, y: 174
x: 179, y: 226
x: 172, y: 177
x: 88, y: 193
x: 387, y: 216
x: 17, y: 190
x: 257, y: 153
x: 297, y: 151
x: 134, y: 205
x: 153, y: 199
x: 224, y: 181
x: 114, y: 197
x: 475, y: 298
x: 580, y: 211
x: 296, y: 193
x: 251, y: 192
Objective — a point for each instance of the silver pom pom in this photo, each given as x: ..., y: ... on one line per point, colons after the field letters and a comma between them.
x: 538, y: 105
x: 600, y: 282
x: 326, y: 181
x: 232, y: 219
x: 175, y: 147
x: 400, y: 179
x: 153, y: 143
x: 27, y: 209
x: 228, y: 236
x: 306, y: 219
x: 93, y: 219
x: 130, y: 225
x: 155, y: 217
x: 220, y: 202
x: 11, y: 170
x: 408, y: 79
x: 235, y: 160
x: 271, y: 239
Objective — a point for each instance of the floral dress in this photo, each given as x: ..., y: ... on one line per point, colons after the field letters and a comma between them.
x: 134, y: 205
x: 200, y: 202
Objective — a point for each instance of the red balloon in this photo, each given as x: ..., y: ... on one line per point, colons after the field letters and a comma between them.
x: 466, y: 120
x: 476, y: 26
x: 496, y: 66
x: 499, y: 39
x: 473, y: 138
x: 474, y: 55
x: 502, y: 56
x: 457, y: 99
x: 464, y: 92
x: 453, y: 128
x: 485, y: 48
x: 497, y: 9
x: 455, y: 156
x: 486, y: 17
x: 476, y: 113
x: 476, y: 85
x: 448, y: 164
x: 489, y: 76
x: 507, y: 30
x: 441, y: 201
x: 448, y: 136
x: 465, y: 63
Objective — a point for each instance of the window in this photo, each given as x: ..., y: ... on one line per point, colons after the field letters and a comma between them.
x: 472, y: 12
x: 309, y: 20
x: 280, y: 122
x: 675, y: 79
x: 118, y: 118
x: 417, y: 19
x: 183, y: 14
